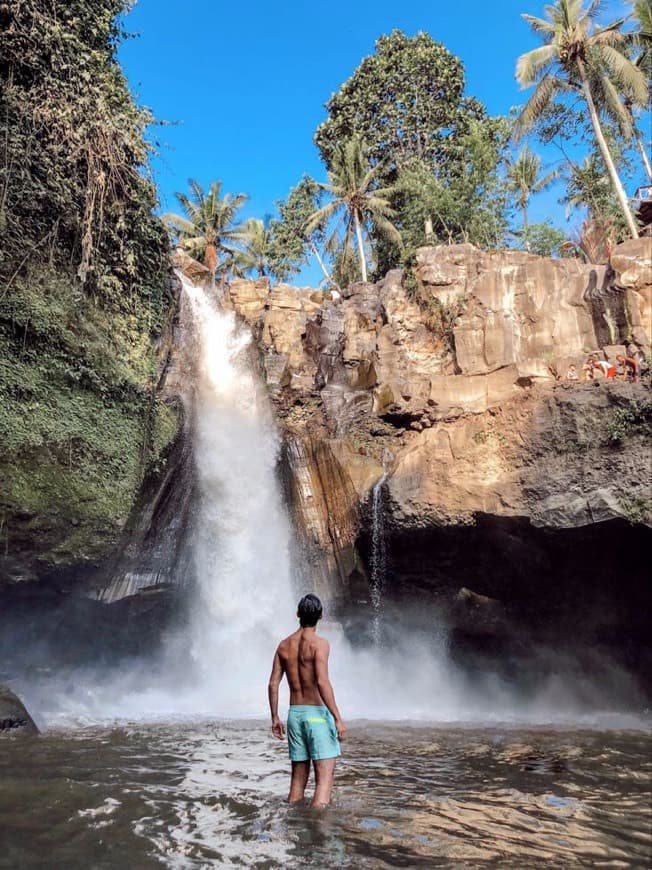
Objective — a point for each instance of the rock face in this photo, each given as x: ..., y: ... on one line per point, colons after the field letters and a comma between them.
x: 451, y: 383
x: 14, y: 718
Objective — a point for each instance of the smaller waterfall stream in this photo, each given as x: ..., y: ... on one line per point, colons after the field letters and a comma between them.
x: 378, y: 561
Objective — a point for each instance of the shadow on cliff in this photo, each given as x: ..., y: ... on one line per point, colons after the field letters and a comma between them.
x: 529, y: 605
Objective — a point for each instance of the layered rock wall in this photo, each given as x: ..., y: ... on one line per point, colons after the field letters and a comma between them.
x: 454, y: 387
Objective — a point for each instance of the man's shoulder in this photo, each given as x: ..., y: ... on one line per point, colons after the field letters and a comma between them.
x: 286, y: 642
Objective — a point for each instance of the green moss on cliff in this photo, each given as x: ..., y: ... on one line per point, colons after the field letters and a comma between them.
x: 80, y: 422
x: 84, y: 290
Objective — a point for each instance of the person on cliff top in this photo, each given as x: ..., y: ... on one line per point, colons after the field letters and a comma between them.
x: 571, y: 374
x: 631, y: 368
x: 314, y: 726
x: 607, y: 369
x: 588, y: 371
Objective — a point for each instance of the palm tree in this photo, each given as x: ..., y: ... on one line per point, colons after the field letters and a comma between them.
x: 524, y: 178
x: 356, y: 201
x: 253, y: 238
x: 207, y: 225
x: 578, y: 56
x: 642, y: 43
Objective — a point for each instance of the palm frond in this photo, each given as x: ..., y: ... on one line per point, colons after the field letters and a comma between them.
x: 543, y: 94
x: 539, y: 25
x: 180, y: 224
x: 322, y: 216
x: 614, y: 107
x: 533, y: 64
x: 628, y: 76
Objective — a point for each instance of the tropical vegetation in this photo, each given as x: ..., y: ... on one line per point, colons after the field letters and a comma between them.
x: 84, y: 291
x: 581, y: 57
x: 207, y: 228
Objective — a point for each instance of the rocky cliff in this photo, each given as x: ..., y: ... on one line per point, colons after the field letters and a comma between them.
x: 447, y: 383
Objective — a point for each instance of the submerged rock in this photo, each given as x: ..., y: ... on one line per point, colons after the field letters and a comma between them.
x: 14, y: 718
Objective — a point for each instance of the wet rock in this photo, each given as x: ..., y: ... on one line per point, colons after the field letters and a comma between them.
x: 14, y: 718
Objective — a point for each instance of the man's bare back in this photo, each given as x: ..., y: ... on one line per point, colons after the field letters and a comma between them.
x: 314, y: 722
x: 299, y: 654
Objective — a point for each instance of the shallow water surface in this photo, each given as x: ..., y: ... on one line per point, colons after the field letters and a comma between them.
x: 198, y: 794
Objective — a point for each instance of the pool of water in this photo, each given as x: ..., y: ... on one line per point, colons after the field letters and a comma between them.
x: 212, y: 794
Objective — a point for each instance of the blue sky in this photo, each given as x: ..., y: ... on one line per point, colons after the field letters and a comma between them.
x: 245, y: 83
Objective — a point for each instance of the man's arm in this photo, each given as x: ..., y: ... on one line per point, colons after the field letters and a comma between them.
x: 278, y: 729
x: 325, y: 687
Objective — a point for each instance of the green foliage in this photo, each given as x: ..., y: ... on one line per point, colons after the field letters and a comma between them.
x: 83, y: 279
x: 544, y: 239
x: 357, y: 204
x: 206, y: 228
x: 290, y: 243
x: 72, y: 189
x: 638, y: 510
x: 632, y: 418
x: 438, y: 150
x: 582, y: 58
x: 405, y: 101
x: 470, y: 207
x: 254, y: 253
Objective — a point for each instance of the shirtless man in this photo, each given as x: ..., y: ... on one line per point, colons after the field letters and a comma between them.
x: 631, y: 368
x: 315, y: 726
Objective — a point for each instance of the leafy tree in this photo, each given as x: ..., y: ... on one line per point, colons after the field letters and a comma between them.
x: 436, y: 148
x: 290, y: 243
x: 358, y: 200
x: 468, y: 208
x: 524, y: 178
x: 579, y: 57
x: 73, y: 189
x: 405, y: 102
x: 545, y: 239
x: 206, y: 228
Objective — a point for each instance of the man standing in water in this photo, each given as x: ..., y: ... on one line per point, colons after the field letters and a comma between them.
x: 315, y: 726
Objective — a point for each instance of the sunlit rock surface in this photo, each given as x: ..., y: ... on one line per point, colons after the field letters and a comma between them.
x: 453, y: 386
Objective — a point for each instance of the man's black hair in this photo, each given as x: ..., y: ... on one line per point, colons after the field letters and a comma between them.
x: 309, y: 611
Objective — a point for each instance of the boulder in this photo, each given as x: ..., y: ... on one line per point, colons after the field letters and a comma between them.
x: 14, y: 718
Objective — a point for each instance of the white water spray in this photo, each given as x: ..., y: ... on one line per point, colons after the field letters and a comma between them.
x: 241, y: 546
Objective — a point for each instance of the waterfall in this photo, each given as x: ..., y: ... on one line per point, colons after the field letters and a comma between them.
x: 243, y: 599
x: 378, y: 562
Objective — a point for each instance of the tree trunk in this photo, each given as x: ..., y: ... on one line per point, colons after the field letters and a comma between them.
x: 525, y: 228
x: 358, y: 232
x: 644, y: 157
x: 211, y: 260
x: 606, y: 154
x: 313, y: 248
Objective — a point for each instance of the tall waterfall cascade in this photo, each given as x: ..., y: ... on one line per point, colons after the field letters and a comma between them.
x: 243, y: 601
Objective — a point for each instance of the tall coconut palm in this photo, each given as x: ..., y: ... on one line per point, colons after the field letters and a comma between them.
x: 524, y: 179
x: 356, y: 201
x: 579, y: 56
x: 253, y: 239
x: 206, y: 227
x: 641, y: 40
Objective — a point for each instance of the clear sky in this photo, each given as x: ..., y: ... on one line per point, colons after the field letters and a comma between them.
x: 245, y: 83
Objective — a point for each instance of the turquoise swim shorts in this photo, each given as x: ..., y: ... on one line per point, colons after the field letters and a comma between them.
x: 312, y: 734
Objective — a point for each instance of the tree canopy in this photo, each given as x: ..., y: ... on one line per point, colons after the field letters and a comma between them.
x: 405, y: 101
